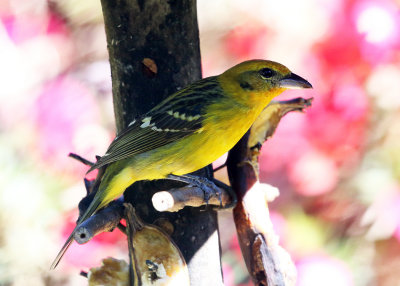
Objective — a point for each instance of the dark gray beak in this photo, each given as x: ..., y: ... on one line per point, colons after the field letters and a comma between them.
x: 293, y: 81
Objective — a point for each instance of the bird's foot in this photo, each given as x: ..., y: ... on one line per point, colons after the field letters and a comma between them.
x: 209, y: 188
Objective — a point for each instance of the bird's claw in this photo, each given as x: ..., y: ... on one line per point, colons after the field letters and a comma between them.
x: 209, y: 188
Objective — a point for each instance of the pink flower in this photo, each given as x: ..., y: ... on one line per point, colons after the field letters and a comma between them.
x: 246, y: 42
x: 64, y: 106
x: 313, y: 174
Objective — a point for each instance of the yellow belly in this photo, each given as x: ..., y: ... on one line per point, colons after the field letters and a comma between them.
x: 181, y: 157
x: 191, y: 153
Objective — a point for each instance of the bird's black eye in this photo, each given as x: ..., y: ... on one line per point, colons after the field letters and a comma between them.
x: 266, y: 73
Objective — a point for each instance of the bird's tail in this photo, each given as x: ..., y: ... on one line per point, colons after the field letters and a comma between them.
x: 93, y: 207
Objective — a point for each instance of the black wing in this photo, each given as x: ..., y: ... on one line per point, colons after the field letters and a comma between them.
x: 176, y: 117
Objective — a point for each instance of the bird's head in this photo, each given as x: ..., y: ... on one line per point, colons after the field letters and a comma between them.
x: 258, y: 81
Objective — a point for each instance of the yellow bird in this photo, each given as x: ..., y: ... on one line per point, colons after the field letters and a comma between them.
x: 188, y: 130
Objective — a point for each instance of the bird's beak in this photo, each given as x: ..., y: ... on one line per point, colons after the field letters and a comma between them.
x: 293, y: 81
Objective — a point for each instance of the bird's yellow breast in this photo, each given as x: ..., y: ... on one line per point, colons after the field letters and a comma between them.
x: 199, y: 149
x: 225, y: 122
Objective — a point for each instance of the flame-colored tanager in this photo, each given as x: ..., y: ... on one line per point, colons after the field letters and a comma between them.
x: 189, y: 129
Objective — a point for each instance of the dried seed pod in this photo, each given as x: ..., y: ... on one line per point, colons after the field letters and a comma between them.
x: 112, y: 272
x: 155, y: 259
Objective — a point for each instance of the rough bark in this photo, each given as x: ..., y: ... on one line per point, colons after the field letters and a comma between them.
x: 268, y: 263
x: 154, y: 50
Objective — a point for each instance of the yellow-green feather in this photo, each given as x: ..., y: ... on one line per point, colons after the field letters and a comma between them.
x: 220, y: 112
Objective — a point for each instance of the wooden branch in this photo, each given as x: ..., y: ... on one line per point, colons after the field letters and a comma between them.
x: 267, y: 263
x: 106, y: 219
x: 266, y: 124
x: 80, y: 159
x: 174, y: 200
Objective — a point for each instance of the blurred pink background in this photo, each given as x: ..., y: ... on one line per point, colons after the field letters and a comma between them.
x: 337, y: 166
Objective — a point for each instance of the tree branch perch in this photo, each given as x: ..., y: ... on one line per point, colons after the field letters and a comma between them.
x: 176, y: 199
x: 267, y: 262
x: 106, y: 219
